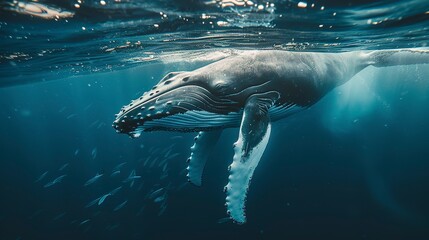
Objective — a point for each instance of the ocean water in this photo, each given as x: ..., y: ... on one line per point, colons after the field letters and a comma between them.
x: 353, y: 166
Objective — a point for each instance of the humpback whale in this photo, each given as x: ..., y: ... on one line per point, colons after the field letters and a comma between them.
x: 248, y: 91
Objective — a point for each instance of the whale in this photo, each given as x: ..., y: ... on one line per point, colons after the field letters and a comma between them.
x: 248, y: 91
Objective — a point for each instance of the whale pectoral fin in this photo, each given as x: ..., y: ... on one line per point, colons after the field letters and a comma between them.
x: 253, y: 138
x: 200, y: 152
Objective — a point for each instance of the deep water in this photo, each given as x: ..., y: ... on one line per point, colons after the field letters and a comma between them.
x: 353, y: 166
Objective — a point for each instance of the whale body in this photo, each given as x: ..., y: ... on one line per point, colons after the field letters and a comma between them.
x: 248, y: 91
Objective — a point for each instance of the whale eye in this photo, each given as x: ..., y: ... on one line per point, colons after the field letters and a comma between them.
x: 219, y: 85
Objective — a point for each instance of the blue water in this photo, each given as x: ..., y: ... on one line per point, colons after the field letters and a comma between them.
x: 353, y: 166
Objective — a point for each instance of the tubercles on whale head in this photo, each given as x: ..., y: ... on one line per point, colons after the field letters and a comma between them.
x: 157, y: 103
x: 176, y: 94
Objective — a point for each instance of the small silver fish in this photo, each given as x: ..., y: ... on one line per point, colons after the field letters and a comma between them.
x: 93, y: 179
x: 120, y: 206
x: 164, y: 161
x: 131, y: 177
x: 112, y: 227
x: 162, y: 210
x: 103, y: 198
x: 94, y: 153
x: 146, y: 161
x: 41, y: 177
x: 55, y: 181
x: 173, y: 155
x: 70, y: 116
x: 59, y: 216
x: 114, y: 191
x: 63, y: 167
x: 167, y: 153
x: 92, y: 203
x: 165, y: 167
x: 156, y: 193
x: 101, y: 125
x: 119, y: 166
x: 115, y: 173
x: 153, y: 162
x: 159, y: 199
x: 93, y: 124
x: 84, y: 221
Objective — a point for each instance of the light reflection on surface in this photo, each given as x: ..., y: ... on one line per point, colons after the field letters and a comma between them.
x: 39, y: 10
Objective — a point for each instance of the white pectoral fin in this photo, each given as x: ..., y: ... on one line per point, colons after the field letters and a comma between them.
x: 253, y: 138
x: 200, y: 152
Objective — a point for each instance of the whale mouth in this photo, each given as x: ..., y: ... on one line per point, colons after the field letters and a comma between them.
x: 187, y: 108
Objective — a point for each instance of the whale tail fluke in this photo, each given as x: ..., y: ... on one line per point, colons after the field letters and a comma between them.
x: 386, y: 58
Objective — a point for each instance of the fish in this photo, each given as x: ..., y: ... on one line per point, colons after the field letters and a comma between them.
x: 55, y: 181
x: 115, y: 173
x: 112, y: 227
x: 162, y: 162
x: 159, y: 199
x: 94, y: 153
x: 173, y: 155
x: 93, y: 179
x: 63, y: 167
x: 103, y: 198
x: 165, y: 167
x: 153, y: 162
x: 93, y: 202
x: 59, y: 216
x: 119, y: 166
x: 146, y: 161
x: 120, y: 206
x: 62, y: 109
x: 71, y: 116
x: 131, y: 177
x: 162, y: 209
x: 156, y: 193
x: 168, y: 152
x: 93, y: 124
x: 87, y: 107
x: 101, y: 124
x: 41, y: 177
x: 114, y: 191
x: 85, y: 221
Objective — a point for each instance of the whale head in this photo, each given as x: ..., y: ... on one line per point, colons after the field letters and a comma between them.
x: 183, y: 101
